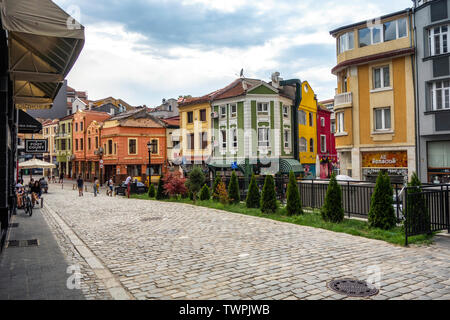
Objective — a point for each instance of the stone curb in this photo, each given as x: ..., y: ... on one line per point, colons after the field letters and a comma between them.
x: 114, y: 287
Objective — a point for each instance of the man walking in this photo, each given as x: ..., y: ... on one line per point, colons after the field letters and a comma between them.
x: 96, y: 186
x: 128, y: 184
x: 80, y: 184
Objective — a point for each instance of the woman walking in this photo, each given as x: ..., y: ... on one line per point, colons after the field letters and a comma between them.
x: 96, y: 186
x: 80, y: 184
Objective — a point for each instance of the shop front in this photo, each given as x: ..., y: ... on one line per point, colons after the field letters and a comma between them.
x: 395, y: 163
x: 439, y: 162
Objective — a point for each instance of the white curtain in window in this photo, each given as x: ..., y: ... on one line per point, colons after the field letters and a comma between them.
x: 439, y: 154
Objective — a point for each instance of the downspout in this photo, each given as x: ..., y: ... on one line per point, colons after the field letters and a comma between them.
x: 298, y: 100
x: 416, y: 93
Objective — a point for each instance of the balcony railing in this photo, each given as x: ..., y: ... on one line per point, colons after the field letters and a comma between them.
x: 343, y: 99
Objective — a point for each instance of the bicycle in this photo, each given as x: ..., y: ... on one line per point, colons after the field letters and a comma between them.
x: 27, y: 204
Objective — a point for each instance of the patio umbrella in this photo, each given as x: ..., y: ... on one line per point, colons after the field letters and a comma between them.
x: 36, y: 164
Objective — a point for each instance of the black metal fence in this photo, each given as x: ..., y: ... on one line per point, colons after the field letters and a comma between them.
x: 427, y: 210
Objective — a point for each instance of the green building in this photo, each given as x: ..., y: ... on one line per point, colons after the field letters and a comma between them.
x: 64, y: 146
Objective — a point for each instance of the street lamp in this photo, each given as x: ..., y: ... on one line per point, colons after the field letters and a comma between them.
x: 100, y: 152
x: 151, y: 149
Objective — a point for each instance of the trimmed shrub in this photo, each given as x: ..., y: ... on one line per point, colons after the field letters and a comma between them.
x: 222, y: 194
x: 195, y: 181
x: 332, y: 210
x: 233, y: 189
x: 253, y: 196
x: 175, y: 184
x: 269, y: 202
x: 205, y: 193
x: 416, y: 212
x: 214, y: 189
x: 294, y: 203
x: 151, y: 191
x: 382, y: 213
x: 160, y: 195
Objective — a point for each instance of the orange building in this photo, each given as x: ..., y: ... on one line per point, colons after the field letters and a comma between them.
x: 124, y: 140
x: 85, y: 159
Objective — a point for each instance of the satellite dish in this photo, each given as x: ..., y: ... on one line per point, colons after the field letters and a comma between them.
x: 242, y: 73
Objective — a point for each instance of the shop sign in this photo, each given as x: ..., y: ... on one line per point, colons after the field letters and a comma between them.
x: 395, y: 159
x: 36, y: 146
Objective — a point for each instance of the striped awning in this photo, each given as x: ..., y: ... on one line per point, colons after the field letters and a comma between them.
x: 288, y: 165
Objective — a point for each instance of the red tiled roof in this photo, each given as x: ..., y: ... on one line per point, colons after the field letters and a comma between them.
x: 175, y: 121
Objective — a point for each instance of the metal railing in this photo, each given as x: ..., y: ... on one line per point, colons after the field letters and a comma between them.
x: 343, y: 99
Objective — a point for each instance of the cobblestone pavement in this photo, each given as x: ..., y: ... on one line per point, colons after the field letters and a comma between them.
x: 176, y: 251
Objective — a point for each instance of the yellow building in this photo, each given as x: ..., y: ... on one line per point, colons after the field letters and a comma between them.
x: 195, y: 131
x: 308, y: 130
x: 49, y: 133
x: 374, y: 105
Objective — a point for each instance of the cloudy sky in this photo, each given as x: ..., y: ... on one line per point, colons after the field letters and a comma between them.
x: 145, y: 50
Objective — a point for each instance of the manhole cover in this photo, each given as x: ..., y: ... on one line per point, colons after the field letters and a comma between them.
x: 23, y: 243
x: 14, y: 225
x: 352, y: 288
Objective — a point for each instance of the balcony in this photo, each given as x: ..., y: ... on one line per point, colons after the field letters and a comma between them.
x: 343, y: 100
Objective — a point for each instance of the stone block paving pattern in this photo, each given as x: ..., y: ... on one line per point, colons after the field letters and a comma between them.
x: 175, y: 251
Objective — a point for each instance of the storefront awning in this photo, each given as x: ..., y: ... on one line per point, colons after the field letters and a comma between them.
x: 44, y: 43
x: 28, y: 124
x: 288, y: 165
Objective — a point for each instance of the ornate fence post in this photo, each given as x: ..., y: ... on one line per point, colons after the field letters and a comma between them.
x: 405, y: 214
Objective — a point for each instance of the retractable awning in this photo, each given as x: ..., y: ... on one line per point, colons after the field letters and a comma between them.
x: 288, y: 165
x: 28, y: 124
x: 44, y: 43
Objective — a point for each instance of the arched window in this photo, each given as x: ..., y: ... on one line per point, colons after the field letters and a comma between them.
x: 303, y: 145
x: 311, y: 145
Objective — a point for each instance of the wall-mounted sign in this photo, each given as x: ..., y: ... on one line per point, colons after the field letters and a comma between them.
x: 394, y: 159
x: 36, y: 146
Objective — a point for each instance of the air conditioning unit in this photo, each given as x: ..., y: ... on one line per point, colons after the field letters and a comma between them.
x: 214, y: 115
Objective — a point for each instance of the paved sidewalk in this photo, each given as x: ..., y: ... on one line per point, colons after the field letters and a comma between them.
x: 37, y: 273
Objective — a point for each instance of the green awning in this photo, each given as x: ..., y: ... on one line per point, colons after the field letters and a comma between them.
x: 288, y: 165
x: 226, y: 164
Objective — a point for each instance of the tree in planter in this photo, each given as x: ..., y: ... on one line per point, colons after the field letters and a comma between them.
x: 294, y: 203
x: 175, y: 184
x: 332, y: 210
x: 253, y: 196
x: 205, y: 193
x: 233, y: 189
x: 196, y: 181
x: 269, y: 202
x: 160, y: 195
x: 416, y: 212
x: 214, y: 189
x: 151, y: 191
x: 221, y: 193
x: 382, y: 213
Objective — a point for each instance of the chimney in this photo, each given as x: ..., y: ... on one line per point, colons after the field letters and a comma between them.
x: 276, y: 80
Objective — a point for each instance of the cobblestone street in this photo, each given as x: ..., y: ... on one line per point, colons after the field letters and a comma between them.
x: 160, y: 250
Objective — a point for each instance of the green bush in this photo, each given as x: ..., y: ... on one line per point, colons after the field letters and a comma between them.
x: 382, y: 213
x: 191, y: 196
x: 215, y: 192
x: 253, y: 196
x: 195, y: 181
x: 294, y: 202
x: 233, y: 189
x: 160, y: 194
x: 269, y: 202
x: 151, y: 191
x: 416, y: 213
x: 332, y: 210
x: 205, y: 193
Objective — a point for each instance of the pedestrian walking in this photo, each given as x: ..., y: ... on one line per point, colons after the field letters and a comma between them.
x: 80, y: 184
x: 128, y: 184
x: 61, y: 178
x: 111, y: 187
x: 95, y: 186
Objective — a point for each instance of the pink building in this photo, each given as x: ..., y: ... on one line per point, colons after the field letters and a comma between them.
x: 326, y: 149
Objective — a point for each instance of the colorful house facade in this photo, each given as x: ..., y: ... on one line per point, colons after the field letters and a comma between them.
x: 326, y: 148
x: 64, y: 151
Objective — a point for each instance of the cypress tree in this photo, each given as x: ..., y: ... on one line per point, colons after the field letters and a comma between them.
x: 332, y: 209
x: 214, y: 189
x: 253, y: 196
x: 196, y: 181
x: 382, y: 213
x: 233, y: 189
x: 417, y: 211
x: 160, y: 195
x: 294, y: 202
x: 269, y: 202
x: 205, y: 193
x: 151, y: 191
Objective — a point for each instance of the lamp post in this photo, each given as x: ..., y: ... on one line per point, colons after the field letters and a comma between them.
x: 100, y: 152
x: 151, y: 149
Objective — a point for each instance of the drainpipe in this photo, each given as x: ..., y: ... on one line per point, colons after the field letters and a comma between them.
x: 298, y: 100
x: 414, y: 63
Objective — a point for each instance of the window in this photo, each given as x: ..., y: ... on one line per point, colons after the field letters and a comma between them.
x: 115, y: 148
x: 333, y: 126
x: 322, y: 122
x: 155, y: 148
x: 190, y: 117
x: 383, y: 119
x: 346, y: 42
x: 311, y: 119
x: 81, y: 144
x: 286, y: 111
x: 233, y: 110
x: 344, y: 84
x: 68, y: 143
x: 323, y: 143
x: 89, y: 143
x: 223, y: 136
x: 440, y: 92
x: 234, y: 138
x: 96, y: 142
x: 302, y: 117
x: 223, y: 111
x: 438, y: 40
x: 76, y: 127
x: 63, y: 144
x: 263, y: 107
x: 190, y: 141
x: 76, y: 144
x: 263, y: 137
x: 287, y: 139
x: 395, y: 29
x: 381, y: 78
x: 110, y: 147
x: 203, y: 115
x: 368, y: 36
x: 340, y: 122
x: 204, y: 140
x: 303, y: 147
x: 311, y: 145
x: 132, y: 148
x: 63, y: 128
x: 81, y: 126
